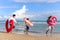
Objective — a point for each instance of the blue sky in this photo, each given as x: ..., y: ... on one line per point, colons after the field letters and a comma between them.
x: 35, y: 9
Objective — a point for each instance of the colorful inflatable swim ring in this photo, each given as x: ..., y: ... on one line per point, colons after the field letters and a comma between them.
x: 28, y: 21
x: 54, y: 20
x: 9, y: 25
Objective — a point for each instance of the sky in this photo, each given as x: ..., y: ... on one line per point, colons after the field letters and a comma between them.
x: 33, y: 9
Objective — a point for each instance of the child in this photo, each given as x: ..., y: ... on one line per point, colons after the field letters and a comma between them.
x: 13, y: 18
x: 11, y: 21
x: 51, y: 22
x: 27, y: 25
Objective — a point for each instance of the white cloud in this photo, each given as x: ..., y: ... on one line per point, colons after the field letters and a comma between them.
x: 21, y: 13
x: 6, y: 17
x: 35, y: 0
x: 44, y: 15
x: 1, y: 17
x: 53, y: 0
x: 53, y: 13
x: 28, y: 0
x: 7, y: 7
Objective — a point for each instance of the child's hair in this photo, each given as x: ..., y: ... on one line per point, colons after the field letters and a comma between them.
x: 14, y: 15
x: 27, y: 18
x: 49, y: 17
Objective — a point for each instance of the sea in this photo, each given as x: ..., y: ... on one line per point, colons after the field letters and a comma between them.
x: 38, y: 28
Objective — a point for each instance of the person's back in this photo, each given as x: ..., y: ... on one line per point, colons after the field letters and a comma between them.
x: 12, y: 18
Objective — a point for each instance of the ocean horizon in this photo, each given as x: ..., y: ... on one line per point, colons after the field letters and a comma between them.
x: 30, y: 20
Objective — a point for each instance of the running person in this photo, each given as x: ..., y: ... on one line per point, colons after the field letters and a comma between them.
x: 51, y: 22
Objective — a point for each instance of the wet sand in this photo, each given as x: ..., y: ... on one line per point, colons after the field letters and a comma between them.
x: 14, y: 36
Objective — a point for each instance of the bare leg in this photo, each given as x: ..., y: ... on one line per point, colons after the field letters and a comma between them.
x: 47, y: 31
x: 10, y: 32
x: 51, y: 30
x: 27, y: 29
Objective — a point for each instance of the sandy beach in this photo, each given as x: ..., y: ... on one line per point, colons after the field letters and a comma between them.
x: 13, y: 36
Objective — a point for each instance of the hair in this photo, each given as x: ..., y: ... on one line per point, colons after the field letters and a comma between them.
x: 14, y: 15
x: 49, y: 17
x: 27, y: 18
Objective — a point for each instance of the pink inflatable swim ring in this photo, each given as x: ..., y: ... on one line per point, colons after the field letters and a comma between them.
x: 53, y: 22
x: 28, y: 21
